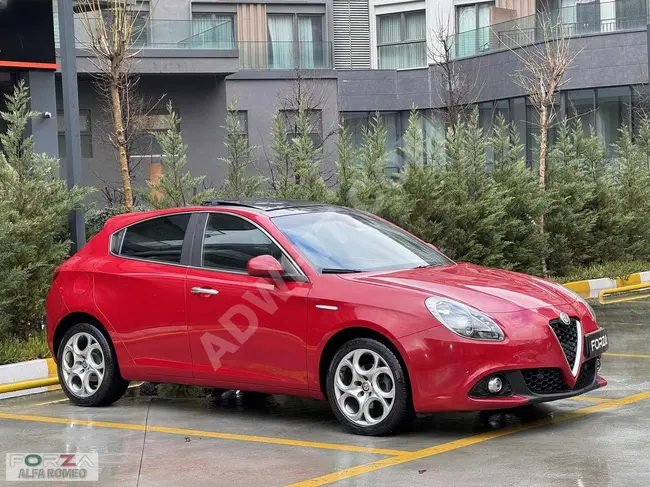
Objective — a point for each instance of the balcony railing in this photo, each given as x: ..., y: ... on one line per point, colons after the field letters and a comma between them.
x: 402, y: 55
x: 169, y: 34
x: 582, y: 19
x: 284, y: 55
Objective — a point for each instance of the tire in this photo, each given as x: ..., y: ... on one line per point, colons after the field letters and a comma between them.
x: 87, y: 367
x: 348, y: 393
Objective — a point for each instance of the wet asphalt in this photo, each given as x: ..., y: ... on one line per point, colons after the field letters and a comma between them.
x: 601, y: 439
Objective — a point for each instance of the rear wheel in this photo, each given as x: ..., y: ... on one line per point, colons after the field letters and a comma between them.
x: 87, y: 367
x: 368, y: 389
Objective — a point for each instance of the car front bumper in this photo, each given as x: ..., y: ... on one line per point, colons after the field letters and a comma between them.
x: 445, y: 369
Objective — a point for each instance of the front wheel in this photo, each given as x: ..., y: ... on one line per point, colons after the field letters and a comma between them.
x: 87, y: 367
x: 368, y: 389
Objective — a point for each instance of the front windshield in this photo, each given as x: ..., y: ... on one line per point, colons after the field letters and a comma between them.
x: 335, y: 242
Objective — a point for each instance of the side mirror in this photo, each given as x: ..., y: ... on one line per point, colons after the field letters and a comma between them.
x: 264, y: 266
x: 435, y: 248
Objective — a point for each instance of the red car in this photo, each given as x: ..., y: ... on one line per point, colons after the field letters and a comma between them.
x: 304, y: 299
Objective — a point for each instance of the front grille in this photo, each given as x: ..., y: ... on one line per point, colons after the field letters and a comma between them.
x: 567, y: 335
x: 587, y: 374
x: 549, y: 381
x: 544, y: 381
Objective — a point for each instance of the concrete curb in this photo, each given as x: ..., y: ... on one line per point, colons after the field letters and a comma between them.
x: 591, y: 287
x: 25, y: 372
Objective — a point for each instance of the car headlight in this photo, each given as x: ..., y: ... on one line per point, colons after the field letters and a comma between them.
x: 464, y: 320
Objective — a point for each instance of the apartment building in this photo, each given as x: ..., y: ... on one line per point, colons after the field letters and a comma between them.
x: 355, y: 58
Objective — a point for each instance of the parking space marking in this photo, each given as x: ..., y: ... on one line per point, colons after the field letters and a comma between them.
x: 630, y: 355
x: 205, y: 434
x: 56, y: 401
x: 472, y: 440
x: 591, y: 399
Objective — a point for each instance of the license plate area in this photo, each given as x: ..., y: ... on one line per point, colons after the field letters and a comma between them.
x: 596, y: 343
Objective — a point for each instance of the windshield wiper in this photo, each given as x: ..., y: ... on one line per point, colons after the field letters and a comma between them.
x: 339, y: 271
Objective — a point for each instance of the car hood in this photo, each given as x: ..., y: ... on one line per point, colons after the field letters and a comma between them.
x: 486, y: 289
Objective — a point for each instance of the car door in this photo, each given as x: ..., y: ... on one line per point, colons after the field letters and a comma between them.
x: 140, y: 289
x: 244, y: 329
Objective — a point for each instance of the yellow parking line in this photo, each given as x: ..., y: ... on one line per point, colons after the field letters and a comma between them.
x: 56, y: 401
x: 590, y: 399
x: 631, y: 355
x: 464, y: 442
x: 204, y: 434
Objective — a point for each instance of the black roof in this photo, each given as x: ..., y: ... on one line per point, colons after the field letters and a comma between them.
x: 265, y: 204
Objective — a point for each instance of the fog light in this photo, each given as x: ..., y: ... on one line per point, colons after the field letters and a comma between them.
x: 495, y: 384
x: 597, y: 365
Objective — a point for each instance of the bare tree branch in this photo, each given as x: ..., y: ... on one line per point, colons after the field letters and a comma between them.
x: 544, y: 66
x: 458, y: 88
x: 113, y: 33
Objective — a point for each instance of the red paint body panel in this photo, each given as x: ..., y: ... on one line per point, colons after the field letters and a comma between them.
x: 264, y: 324
x: 271, y: 335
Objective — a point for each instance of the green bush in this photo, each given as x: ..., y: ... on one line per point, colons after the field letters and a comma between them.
x: 34, y: 209
x: 14, y: 350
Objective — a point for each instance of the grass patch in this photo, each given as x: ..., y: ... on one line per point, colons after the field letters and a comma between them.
x: 611, y: 270
x: 13, y: 350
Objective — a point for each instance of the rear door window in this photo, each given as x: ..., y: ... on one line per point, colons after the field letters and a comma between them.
x: 159, y: 239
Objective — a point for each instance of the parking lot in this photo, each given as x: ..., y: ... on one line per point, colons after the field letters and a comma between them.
x: 594, y: 440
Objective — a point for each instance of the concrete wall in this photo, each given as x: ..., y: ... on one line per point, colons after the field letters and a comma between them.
x: 602, y: 60
x: 201, y: 103
x: 262, y: 95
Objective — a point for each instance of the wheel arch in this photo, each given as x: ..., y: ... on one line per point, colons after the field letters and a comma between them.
x: 72, y: 319
x: 344, y: 335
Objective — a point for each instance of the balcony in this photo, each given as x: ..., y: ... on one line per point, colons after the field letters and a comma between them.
x: 582, y: 19
x: 402, y: 55
x: 170, y: 46
x: 281, y: 55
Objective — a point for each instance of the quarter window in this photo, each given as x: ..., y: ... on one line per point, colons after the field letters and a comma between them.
x: 158, y: 239
x: 230, y: 242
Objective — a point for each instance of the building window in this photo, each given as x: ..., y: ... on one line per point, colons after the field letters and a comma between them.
x: 140, y: 33
x: 401, y: 40
x: 473, y: 27
x: 212, y: 31
x: 296, y: 42
x: 614, y: 111
x: 242, y: 118
x: 290, y: 118
x: 581, y: 104
x: 144, y: 143
x: 86, y: 134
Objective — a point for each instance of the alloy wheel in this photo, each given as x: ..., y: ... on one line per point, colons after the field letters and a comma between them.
x: 83, y: 365
x: 364, y: 387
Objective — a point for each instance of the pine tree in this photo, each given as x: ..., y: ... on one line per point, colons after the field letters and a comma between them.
x: 346, y: 169
x: 34, y: 209
x: 569, y: 219
x: 420, y: 184
x: 175, y: 187
x: 238, y: 184
x: 606, y: 239
x: 309, y: 184
x: 281, y: 165
x: 473, y: 207
x: 374, y: 192
x: 525, y: 203
x: 633, y: 192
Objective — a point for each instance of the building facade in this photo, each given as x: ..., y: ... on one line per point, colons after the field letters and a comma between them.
x: 354, y: 58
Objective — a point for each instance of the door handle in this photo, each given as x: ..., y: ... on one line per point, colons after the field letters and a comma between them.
x: 205, y: 291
